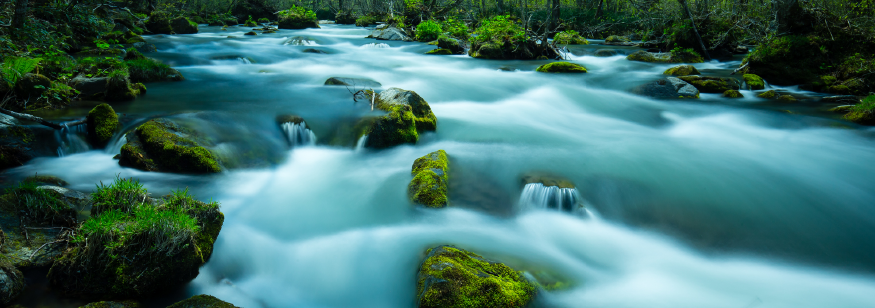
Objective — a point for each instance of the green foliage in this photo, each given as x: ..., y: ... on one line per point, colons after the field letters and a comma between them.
x: 561, y: 67
x: 148, y: 70
x: 99, y: 66
x: 121, y: 195
x: 13, y: 68
x: 456, y: 28
x: 499, y: 28
x: 38, y: 205
x: 685, y: 55
x: 428, y: 30
x: 164, y: 143
x: 569, y: 37
x: 298, y: 12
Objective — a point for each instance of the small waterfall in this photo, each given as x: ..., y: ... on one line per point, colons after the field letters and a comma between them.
x: 376, y: 45
x: 245, y: 60
x: 70, y: 140
x: 116, y: 146
x: 298, y: 134
x: 360, y: 144
x: 538, y: 196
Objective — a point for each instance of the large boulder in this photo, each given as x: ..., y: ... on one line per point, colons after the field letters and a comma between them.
x: 159, y: 23
x: 430, y: 180
x: 181, y: 25
x: 863, y: 113
x: 754, y: 82
x: 451, y: 44
x: 682, y: 70
x: 344, y: 17
x: 712, y: 84
x: 569, y: 38
x: 102, y: 124
x: 33, y: 218
x: 667, y: 88
x: 202, y: 301
x: 32, y: 86
x: 133, y: 246
x: 395, y: 128
x: 119, y: 87
x: 89, y: 87
x: 161, y: 145
x: 11, y: 281
x: 390, y: 33
x: 425, y: 118
x: 452, y: 277
x: 561, y: 67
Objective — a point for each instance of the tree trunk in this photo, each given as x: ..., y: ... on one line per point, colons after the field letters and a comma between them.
x: 696, y: 31
x: 20, y: 13
x: 554, y: 16
x: 600, y: 10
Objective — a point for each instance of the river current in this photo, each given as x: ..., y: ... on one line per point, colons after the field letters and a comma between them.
x: 692, y: 203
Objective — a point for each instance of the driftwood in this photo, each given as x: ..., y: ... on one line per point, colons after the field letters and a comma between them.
x: 740, y: 68
x: 32, y: 118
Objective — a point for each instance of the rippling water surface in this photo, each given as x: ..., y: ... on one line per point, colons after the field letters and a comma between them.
x: 705, y: 203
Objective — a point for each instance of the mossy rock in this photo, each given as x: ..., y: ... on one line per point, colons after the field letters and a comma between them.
x: 754, y: 82
x: 682, y: 70
x: 606, y: 53
x: 295, y: 21
x: 113, y: 304
x: 862, y: 117
x: 424, y: 117
x: 712, y: 84
x: 770, y: 94
x: 102, y: 122
x: 250, y: 33
x: 137, y: 249
x: 732, y: 94
x: 452, y: 277
x: 42, y: 179
x: 352, y: 82
x: 32, y: 86
x: 119, y: 87
x: 161, y: 145
x: 13, y: 156
x: 159, y: 23
x: 569, y: 38
x: 561, y: 67
x: 202, y: 301
x: 787, y: 98
x: 11, y: 282
x: 546, y: 180
x: 250, y: 24
x: 439, y: 51
x: 617, y: 39
x: 151, y: 70
x: 841, y: 109
x: 451, y: 44
x: 182, y: 25
x: 396, y: 128
x: 644, y: 56
x: 430, y: 180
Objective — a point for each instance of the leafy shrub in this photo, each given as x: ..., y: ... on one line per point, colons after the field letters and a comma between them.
x: 455, y: 28
x: 15, y: 67
x: 428, y: 30
x: 298, y: 12
x: 569, y: 37
x: 499, y: 28
x: 685, y: 55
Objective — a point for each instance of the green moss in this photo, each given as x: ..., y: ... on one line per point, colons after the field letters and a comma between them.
x: 365, y: 20
x: 45, y: 180
x: 644, y: 56
x: 770, y: 94
x: 149, y: 70
x: 297, y: 18
x: 37, y: 206
x: 687, y: 55
x: 428, y: 30
x: 397, y: 127
x: 754, y: 82
x: 102, y: 123
x: 423, y: 116
x: 118, y: 87
x: 787, y: 98
x: 711, y: 84
x: 439, y: 51
x: 112, y: 304
x: 451, y: 277
x: 430, y: 180
x: 682, y: 70
x: 863, y: 113
x: 164, y: 144
x: 159, y: 23
x: 617, y: 39
x: 561, y: 67
x: 732, y: 94
x: 202, y: 301
x: 569, y: 37
x: 138, y: 248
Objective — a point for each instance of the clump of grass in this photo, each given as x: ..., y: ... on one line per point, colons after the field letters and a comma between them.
x: 38, y: 205
x: 122, y: 195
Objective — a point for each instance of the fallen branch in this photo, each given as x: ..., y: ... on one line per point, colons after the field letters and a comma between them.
x: 41, y: 247
x: 740, y: 68
x: 32, y: 118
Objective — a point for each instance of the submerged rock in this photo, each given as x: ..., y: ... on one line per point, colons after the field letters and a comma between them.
x: 670, y: 87
x: 544, y: 191
x: 606, y: 53
x: 102, y: 124
x: 682, y: 70
x: 561, y: 67
x: 161, y: 145
x: 644, y: 56
x: 129, y: 248
x: 439, y: 51
x: 451, y: 44
x: 787, y: 98
x: 754, y: 82
x: 732, y: 94
x: 352, y: 82
x: 712, y: 84
x: 313, y: 50
x: 452, y: 277
x: 430, y: 180
x: 770, y: 94
x: 202, y: 301
x: 42, y: 179
x: 11, y: 281
x: 390, y: 34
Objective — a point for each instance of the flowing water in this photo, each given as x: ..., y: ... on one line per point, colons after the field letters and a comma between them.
x: 693, y: 203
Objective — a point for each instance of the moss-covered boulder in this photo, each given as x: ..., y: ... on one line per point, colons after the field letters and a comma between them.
x: 344, y: 17
x: 32, y: 86
x: 732, y: 94
x: 11, y: 282
x: 113, y: 304
x: 161, y: 145
x: 453, y: 45
x: 712, y: 84
x: 430, y: 180
x: 503, y: 38
x: 396, y: 128
x: 617, y: 39
x: 136, y: 247
x: 102, y: 122
x: 561, y: 67
x: 569, y: 37
x: 754, y: 82
x: 202, y: 301
x: 770, y: 94
x: 668, y: 88
x: 787, y: 98
x: 182, y: 25
x: 119, y: 87
x: 862, y: 113
x: 452, y: 277
x: 644, y: 56
x: 439, y: 51
x: 42, y: 179
x: 352, y: 82
x: 605, y: 53
x: 159, y: 23
x: 151, y: 70
x: 682, y: 70
x: 297, y: 18
x: 424, y: 117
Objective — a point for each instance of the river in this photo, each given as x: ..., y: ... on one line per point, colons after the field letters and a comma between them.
x: 692, y: 203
